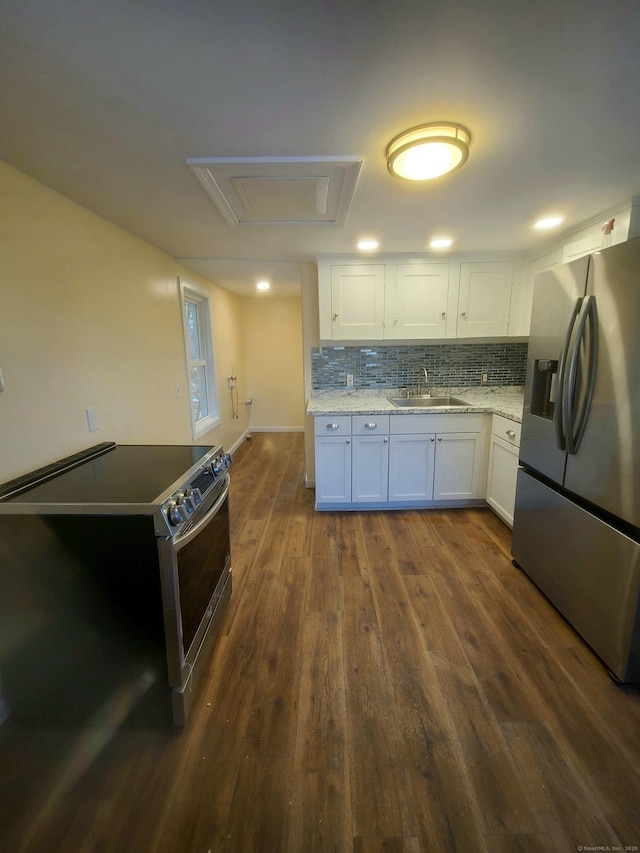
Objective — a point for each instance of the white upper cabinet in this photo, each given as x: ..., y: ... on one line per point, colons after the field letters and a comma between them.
x: 484, y: 300
x: 421, y: 300
x: 357, y: 302
x: 416, y: 302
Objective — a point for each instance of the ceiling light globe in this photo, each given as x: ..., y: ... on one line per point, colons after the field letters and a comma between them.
x: 548, y: 222
x: 368, y: 244
x: 441, y: 242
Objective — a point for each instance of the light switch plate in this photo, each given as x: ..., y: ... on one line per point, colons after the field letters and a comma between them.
x: 93, y: 421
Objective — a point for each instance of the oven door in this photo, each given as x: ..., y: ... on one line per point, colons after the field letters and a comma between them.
x: 196, y: 585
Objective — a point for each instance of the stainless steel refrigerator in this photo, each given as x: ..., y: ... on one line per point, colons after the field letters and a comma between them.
x: 576, y: 529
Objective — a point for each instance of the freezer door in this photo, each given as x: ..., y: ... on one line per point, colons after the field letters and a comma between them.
x: 557, y: 299
x: 586, y: 568
x: 606, y: 468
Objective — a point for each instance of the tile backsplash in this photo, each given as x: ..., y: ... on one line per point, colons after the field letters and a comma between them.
x: 401, y: 366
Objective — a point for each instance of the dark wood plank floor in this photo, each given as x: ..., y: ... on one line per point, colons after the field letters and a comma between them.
x: 385, y: 681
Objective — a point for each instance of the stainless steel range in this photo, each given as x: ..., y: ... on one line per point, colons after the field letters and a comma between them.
x: 115, y: 576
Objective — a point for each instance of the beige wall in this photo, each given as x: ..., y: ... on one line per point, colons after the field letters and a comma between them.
x: 274, y: 363
x: 90, y: 316
x: 311, y: 337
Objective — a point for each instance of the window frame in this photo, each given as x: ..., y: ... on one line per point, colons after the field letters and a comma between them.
x: 197, y: 295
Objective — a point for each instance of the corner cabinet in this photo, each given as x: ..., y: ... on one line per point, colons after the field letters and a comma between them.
x: 503, y: 467
x: 419, y: 300
x: 396, y: 461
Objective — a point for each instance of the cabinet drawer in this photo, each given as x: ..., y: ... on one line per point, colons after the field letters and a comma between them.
x: 370, y: 424
x: 506, y: 429
x: 417, y: 424
x: 331, y: 425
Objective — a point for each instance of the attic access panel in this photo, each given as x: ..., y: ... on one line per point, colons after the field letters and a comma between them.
x: 279, y: 190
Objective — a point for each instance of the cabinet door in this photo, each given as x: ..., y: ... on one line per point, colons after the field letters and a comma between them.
x: 357, y: 301
x: 501, y: 480
x: 484, y: 300
x: 370, y: 468
x: 411, y: 467
x: 416, y: 303
x: 457, y: 467
x: 333, y: 469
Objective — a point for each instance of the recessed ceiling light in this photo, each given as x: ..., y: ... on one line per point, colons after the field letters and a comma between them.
x: 263, y: 285
x: 549, y: 222
x: 368, y: 244
x: 428, y: 151
x: 440, y: 242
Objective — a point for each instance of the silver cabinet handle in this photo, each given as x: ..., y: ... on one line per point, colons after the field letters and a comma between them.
x: 348, y: 441
x: 332, y: 426
x: 439, y: 438
x: 370, y: 425
x: 463, y: 314
x: 511, y: 433
x: 443, y: 315
x: 335, y: 316
x: 432, y: 438
x: 386, y: 440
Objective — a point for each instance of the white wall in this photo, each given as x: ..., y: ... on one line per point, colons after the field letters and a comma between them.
x: 90, y: 316
x: 273, y: 354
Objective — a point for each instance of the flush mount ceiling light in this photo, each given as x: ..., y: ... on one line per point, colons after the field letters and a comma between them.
x: 428, y: 151
x: 263, y: 285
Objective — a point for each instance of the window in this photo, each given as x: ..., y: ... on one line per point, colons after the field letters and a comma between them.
x: 198, y: 344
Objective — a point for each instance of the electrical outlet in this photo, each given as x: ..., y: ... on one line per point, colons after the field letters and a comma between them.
x: 349, y: 380
x: 484, y: 377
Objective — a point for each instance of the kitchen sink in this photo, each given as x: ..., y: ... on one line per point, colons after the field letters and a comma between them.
x: 425, y: 402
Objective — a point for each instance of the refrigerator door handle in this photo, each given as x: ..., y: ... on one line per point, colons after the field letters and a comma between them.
x: 576, y: 421
x: 559, y: 420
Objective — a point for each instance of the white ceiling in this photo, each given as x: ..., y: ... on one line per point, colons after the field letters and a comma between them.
x: 106, y: 101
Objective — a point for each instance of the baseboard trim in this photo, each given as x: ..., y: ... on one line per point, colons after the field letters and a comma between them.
x: 231, y: 450
x: 277, y: 429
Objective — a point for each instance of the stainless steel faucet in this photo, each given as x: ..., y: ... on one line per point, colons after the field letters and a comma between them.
x: 427, y: 393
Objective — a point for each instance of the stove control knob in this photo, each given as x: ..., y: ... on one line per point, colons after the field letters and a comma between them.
x: 174, y: 513
x: 193, y: 497
x: 221, y: 464
x: 186, y: 505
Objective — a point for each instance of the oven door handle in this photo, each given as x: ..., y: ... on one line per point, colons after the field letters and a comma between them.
x: 180, y: 541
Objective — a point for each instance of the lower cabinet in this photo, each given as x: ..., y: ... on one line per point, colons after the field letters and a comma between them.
x: 369, y: 458
x: 411, y: 459
x: 333, y: 460
x: 404, y: 460
x: 458, y: 468
x: 503, y: 467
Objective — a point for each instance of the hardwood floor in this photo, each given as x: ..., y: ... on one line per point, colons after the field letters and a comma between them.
x: 385, y: 681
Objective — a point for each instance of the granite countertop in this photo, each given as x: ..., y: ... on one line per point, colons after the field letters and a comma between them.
x: 505, y: 401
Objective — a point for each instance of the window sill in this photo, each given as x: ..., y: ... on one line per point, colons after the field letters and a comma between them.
x: 204, y: 426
